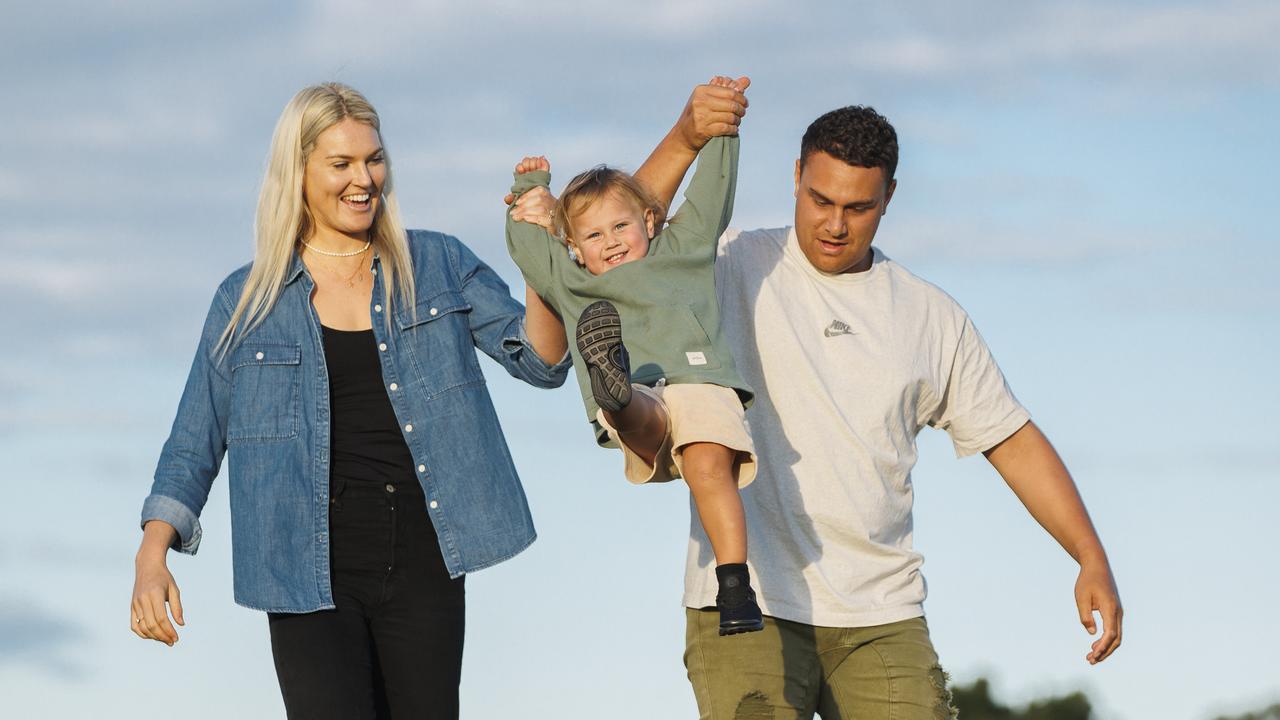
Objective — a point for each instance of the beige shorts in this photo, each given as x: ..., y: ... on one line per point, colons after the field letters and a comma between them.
x: 699, y: 412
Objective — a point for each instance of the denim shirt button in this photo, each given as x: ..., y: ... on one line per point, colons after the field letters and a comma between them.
x: 259, y: 356
x: 382, y: 347
x: 408, y: 428
x: 422, y: 468
x: 377, y: 308
x: 394, y: 387
x: 435, y: 311
x: 434, y: 504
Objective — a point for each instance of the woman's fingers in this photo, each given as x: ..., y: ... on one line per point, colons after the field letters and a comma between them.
x: 135, y: 619
x: 150, y: 618
x: 156, y: 618
x: 535, y: 206
x: 175, y: 604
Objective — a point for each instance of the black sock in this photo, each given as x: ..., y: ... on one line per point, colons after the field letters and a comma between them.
x: 735, y: 583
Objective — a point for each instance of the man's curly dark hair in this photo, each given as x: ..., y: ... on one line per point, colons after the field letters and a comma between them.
x: 856, y: 134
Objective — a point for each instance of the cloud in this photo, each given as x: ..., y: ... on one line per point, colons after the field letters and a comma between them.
x: 991, y: 44
x: 29, y: 636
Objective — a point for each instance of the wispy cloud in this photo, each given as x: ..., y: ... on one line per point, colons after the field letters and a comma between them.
x: 32, y: 637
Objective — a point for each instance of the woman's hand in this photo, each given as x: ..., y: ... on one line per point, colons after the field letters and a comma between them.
x: 537, y: 205
x: 155, y: 593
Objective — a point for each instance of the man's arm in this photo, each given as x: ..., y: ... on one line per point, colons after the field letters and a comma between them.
x: 1035, y: 473
x: 712, y: 110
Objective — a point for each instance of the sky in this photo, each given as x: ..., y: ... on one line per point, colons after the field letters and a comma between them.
x: 1090, y: 180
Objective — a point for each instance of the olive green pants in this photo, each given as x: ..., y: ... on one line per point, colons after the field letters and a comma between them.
x: 792, y: 670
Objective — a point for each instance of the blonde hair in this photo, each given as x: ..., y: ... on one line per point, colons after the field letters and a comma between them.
x: 283, y: 220
x: 590, y: 186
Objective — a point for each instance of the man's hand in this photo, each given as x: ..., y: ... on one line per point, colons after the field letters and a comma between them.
x: 714, y: 109
x: 1096, y: 591
x: 1037, y: 476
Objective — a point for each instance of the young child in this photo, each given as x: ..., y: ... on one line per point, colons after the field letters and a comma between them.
x: 670, y: 396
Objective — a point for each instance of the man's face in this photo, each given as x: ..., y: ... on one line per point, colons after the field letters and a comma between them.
x: 838, y: 208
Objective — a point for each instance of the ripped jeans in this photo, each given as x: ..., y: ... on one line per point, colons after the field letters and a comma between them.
x: 792, y: 670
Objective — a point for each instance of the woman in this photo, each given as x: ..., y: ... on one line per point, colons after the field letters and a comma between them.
x: 368, y: 470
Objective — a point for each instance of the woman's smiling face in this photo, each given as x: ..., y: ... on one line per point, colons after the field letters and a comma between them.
x: 343, y: 180
x: 611, y: 231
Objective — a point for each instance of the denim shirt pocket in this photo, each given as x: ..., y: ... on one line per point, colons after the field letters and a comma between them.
x: 437, y: 336
x: 265, y: 379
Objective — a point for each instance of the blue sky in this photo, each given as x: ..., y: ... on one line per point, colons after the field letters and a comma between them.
x: 1090, y: 180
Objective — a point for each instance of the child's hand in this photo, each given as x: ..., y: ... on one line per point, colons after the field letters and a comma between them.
x: 714, y: 109
x: 530, y: 164
x: 535, y: 206
x: 739, y: 85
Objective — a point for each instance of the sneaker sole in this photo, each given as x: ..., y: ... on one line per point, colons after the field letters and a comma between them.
x: 598, y: 336
x: 742, y: 627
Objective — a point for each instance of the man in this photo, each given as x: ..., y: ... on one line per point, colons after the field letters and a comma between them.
x: 851, y: 356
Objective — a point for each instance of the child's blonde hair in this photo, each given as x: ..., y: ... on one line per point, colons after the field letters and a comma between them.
x: 590, y: 186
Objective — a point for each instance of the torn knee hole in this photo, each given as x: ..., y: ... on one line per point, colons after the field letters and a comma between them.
x: 942, y: 709
x: 753, y: 706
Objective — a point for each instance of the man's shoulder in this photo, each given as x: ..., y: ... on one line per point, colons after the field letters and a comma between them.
x: 904, y: 282
x: 739, y: 240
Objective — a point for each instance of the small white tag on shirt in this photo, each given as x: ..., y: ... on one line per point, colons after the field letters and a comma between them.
x: 696, y: 358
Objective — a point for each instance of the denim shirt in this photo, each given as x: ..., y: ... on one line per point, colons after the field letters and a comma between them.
x: 265, y: 404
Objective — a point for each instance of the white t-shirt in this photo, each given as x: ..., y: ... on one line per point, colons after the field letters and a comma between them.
x: 847, y: 370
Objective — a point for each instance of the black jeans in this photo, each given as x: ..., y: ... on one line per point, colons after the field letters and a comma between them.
x: 393, y: 646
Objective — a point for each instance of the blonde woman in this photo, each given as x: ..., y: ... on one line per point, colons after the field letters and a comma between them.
x: 368, y: 472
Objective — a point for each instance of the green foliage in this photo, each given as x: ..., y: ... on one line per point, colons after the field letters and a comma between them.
x: 975, y: 703
x: 1270, y: 713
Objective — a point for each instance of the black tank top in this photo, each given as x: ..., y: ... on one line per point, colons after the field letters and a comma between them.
x: 366, y: 447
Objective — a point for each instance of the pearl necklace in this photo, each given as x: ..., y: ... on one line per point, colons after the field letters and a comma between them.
x: 353, y: 253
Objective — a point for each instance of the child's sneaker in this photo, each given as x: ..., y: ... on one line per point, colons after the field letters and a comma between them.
x: 599, y: 337
x: 736, y: 601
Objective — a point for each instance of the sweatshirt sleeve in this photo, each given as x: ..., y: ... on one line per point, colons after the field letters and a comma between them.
x: 708, y: 201
x: 531, y: 246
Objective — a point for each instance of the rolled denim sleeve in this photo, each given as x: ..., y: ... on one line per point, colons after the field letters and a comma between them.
x: 193, y: 453
x: 497, y: 322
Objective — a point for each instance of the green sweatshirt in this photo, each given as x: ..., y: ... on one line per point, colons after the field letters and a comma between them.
x: 667, y: 299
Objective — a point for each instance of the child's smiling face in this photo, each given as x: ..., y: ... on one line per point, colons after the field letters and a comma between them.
x: 609, y: 232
